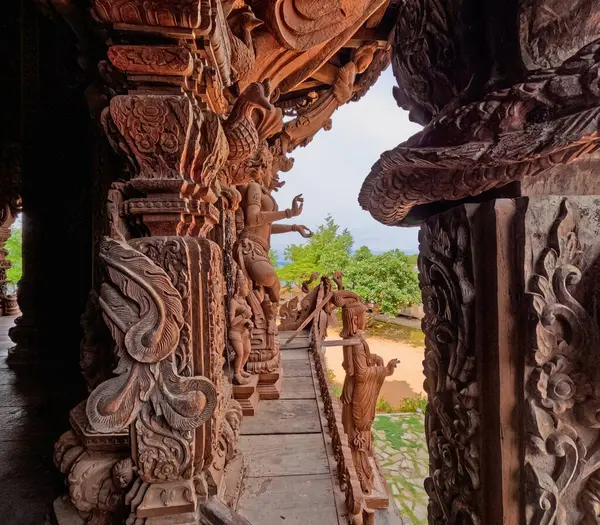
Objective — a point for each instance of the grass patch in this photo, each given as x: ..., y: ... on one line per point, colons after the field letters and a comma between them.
x: 398, y: 333
x: 335, y: 386
x: 395, y: 430
x: 408, y: 404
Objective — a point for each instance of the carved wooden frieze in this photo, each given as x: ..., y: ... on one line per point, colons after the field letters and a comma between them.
x: 162, y: 13
x: 452, y: 382
x: 562, y: 368
x: 152, y: 60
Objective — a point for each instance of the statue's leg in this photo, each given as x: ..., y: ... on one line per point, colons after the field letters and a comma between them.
x: 263, y: 274
x: 237, y: 343
x: 247, y: 345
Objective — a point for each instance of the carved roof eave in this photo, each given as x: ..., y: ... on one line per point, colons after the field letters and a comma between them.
x: 551, y: 118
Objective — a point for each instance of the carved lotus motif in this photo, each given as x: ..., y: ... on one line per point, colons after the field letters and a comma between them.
x: 559, y: 387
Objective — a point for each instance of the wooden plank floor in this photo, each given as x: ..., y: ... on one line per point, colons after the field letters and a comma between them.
x: 288, y: 478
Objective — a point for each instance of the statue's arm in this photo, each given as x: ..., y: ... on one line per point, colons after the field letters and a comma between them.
x: 363, y: 370
x: 235, y: 320
x: 254, y: 215
x: 283, y: 228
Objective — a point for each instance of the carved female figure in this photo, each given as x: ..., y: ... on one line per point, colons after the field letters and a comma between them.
x: 365, y: 373
x: 240, y: 327
x: 260, y: 212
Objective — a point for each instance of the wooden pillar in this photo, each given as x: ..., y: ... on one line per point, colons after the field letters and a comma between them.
x: 511, y: 323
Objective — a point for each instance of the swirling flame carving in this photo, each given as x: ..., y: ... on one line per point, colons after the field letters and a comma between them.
x: 144, y: 313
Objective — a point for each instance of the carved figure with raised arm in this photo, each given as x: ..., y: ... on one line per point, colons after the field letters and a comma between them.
x: 365, y: 373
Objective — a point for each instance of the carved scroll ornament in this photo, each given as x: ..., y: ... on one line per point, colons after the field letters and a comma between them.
x: 551, y: 118
x: 144, y: 314
x: 561, y: 387
x: 303, y: 24
x: 453, y: 417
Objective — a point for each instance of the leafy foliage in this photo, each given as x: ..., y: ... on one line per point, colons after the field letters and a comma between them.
x: 416, y: 403
x: 14, y: 247
x: 387, y: 279
x: 325, y: 252
x: 273, y: 257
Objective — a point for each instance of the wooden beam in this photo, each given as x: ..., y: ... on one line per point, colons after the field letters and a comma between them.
x: 342, y: 342
x: 368, y: 35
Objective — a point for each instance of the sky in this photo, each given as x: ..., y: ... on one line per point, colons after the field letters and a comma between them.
x: 330, y: 170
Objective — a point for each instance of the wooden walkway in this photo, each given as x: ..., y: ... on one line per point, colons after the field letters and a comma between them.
x: 290, y: 474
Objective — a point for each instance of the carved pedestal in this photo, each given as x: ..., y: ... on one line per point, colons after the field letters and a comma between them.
x: 248, y: 395
x: 270, y: 384
x: 512, y: 334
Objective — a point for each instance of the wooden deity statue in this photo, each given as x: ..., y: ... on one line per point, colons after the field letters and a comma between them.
x: 252, y: 253
x: 240, y: 327
x: 365, y: 373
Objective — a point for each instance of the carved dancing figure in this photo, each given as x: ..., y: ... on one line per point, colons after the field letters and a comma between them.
x: 260, y: 212
x: 240, y: 327
x: 365, y: 373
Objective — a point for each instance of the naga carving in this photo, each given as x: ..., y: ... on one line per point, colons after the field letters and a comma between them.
x: 561, y: 375
x: 549, y: 118
x: 452, y: 421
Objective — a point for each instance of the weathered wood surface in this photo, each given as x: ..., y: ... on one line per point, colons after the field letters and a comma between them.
x: 284, y: 455
x: 293, y: 500
x: 284, y: 416
x: 298, y: 388
x: 290, y: 355
x: 297, y: 368
x: 288, y: 475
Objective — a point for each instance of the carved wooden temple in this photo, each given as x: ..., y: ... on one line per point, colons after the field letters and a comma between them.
x: 143, y: 141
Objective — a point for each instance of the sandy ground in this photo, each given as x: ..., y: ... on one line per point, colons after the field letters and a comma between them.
x: 407, y: 381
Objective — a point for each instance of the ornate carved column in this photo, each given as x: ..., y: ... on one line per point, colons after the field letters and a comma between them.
x: 511, y: 329
x: 510, y: 112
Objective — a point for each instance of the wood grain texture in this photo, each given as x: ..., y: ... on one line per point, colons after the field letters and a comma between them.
x: 284, y: 455
x: 284, y: 416
x: 293, y: 500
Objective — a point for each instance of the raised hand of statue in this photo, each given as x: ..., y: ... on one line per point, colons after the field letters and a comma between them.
x: 303, y: 230
x: 391, y: 366
x: 297, y: 205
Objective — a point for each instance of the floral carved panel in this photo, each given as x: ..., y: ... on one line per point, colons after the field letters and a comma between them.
x: 562, y: 368
x: 452, y: 382
x: 165, y: 13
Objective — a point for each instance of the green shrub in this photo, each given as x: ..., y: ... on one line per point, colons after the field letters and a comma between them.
x: 408, y: 404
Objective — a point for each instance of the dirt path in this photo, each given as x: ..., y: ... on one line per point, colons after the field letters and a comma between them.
x: 407, y: 381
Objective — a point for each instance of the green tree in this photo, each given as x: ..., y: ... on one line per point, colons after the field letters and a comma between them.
x: 273, y: 257
x: 325, y: 252
x: 15, y: 250
x: 387, y: 279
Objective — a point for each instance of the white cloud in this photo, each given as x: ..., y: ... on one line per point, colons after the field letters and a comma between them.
x: 330, y: 170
